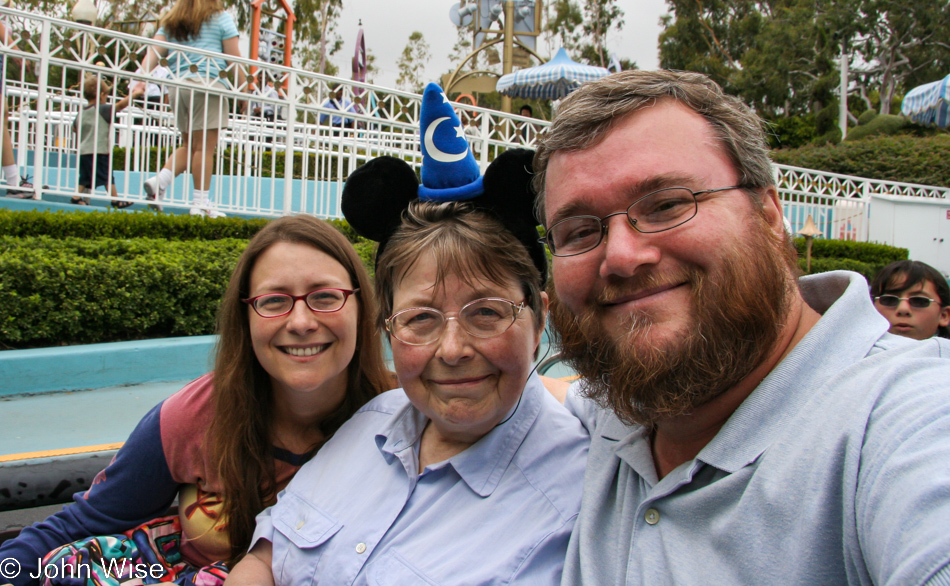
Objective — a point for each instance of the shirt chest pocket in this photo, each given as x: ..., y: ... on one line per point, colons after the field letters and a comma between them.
x: 394, y: 570
x: 304, y: 529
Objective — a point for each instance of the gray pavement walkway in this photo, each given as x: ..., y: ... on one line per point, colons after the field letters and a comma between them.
x: 66, y: 420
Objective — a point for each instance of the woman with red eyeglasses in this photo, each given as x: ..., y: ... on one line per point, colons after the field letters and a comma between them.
x: 298, y: 354
x: 915, y: 298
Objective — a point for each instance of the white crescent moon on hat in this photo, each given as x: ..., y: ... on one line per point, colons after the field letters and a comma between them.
x: 434, y: 151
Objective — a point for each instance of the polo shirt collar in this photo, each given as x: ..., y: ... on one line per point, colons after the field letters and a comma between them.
x: 483, y: 464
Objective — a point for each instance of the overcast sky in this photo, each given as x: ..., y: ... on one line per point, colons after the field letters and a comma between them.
x: 387, y: 25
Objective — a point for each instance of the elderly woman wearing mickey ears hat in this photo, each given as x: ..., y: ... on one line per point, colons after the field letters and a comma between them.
x: 470, y: 473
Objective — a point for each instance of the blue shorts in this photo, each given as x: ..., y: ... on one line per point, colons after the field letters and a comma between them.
x: 103, y: 164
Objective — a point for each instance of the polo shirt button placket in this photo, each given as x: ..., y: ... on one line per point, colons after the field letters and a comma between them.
x: 652, y: 516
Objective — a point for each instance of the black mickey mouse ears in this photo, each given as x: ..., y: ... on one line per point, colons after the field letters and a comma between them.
x: 376, y: 194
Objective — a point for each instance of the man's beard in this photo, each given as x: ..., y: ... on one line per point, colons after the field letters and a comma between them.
x: 738, y: 315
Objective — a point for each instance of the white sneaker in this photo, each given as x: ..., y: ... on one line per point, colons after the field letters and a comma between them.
x: 154, y: 193
x: 209, y: 212
x: 205, y: 207
x: 212, y: 211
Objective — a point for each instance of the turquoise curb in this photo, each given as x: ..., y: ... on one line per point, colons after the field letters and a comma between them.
x: 93, y: 366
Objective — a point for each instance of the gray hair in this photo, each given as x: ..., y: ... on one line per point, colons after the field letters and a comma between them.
x: 586, y: 116
x: 466, y: 242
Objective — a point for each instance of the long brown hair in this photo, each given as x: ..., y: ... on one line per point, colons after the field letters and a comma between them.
x: 240, y: 434
x: 185, y: 18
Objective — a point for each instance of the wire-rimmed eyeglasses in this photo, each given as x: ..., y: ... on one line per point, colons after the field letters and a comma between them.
x: 319, y: 300
x: 657, y: 211
x: 915, y: 301
x: 482, y: 318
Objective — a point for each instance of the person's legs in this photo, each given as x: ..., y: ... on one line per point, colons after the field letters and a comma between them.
x: 203, y: 145
x: 7, y: 157
x: 178, y: 161
x: 16, y: 186
x: 79, y: 200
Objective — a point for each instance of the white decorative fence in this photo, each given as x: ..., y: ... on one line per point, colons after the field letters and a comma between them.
x: 297, y: 162
x: 840, y: 204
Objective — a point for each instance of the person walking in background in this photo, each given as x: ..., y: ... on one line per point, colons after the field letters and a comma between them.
x: 93, y: 125
x: 155, y: 94
x: 265, y: 88
x: 337, y: 102
x: 914, y: 297
x: 527, y: 131
x: 199, y: 114
x: 155, y: 97
x: 19, y: 187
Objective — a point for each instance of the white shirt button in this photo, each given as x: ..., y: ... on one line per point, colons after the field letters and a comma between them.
x: 652, y: 516
x: 300, y: 524
x: 360, y: 547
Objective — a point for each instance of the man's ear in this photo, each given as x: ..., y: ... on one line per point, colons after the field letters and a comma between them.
x: 772, y: 210
x: 545, y: 302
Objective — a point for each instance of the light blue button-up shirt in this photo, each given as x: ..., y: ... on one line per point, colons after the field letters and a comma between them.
x: 501, y: 512
x: 835, y: 470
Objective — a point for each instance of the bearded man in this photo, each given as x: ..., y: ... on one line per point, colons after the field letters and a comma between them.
x: 747, y: 426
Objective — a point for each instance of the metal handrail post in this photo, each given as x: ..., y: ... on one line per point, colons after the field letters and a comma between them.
x: 291, y: 93
x: 39, y: 147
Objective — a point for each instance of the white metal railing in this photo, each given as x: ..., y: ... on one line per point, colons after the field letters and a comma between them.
x: 839, y: 204
x: 46, y: 58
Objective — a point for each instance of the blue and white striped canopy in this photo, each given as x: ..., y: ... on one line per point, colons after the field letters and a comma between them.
x: 551, y: 81
x: 929, y: 103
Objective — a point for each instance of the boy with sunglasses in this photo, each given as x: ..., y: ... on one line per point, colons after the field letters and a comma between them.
x: 914, y: 297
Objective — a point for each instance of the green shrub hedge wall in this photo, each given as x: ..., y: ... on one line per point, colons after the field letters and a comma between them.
x: 59, y: 291
x: 910, y: 159
x: 142, y: 224
x: 866, y: 258
x: 82, y: 278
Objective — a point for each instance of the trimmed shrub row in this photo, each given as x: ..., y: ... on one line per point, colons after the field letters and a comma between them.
x: 141, y: 224
x: 866, y: 252
x: 910, y: 159
x: 60, y: 291
x: 866, y: 258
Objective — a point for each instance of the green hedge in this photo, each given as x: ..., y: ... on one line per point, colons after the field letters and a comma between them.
x: 882, y: 124
x: 141, y: 224
x: 866, y: 258
x: 59, y: 291
x: 83, y: 278
x: 910, y: 159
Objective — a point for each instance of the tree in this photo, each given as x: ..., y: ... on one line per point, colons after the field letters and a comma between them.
x: 896, y: 40
x: 781, y: 56
x: 582, y: 29
x: 412, y: 63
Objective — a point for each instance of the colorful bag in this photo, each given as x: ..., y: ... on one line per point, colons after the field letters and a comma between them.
x: 148, y: 554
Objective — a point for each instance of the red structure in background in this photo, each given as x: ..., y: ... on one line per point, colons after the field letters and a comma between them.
x: 286, y: 13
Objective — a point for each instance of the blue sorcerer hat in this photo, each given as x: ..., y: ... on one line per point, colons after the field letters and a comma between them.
x: 449, y: 169
x: 376, y: 194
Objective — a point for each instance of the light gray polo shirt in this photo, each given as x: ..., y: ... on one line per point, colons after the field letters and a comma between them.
x: 835, y: 470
